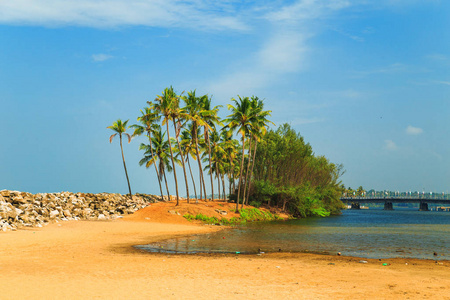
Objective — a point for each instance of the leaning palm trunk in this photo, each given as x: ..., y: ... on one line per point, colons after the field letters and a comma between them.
x: 156, y: 168
x: 167, y: 186
x: 182, y: 162
x: 240, y: 173
x: 192, y: 176
x: 125, y: 167
x: 173, y: 163
x: 244, y: 199
x: 202, y: 181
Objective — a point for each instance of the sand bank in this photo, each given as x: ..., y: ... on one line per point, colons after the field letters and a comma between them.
x: 95, y: 260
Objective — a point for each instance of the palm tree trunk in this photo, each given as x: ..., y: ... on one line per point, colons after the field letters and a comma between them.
x: 245, y: 200
x: 173, y: 163
x: 210, y: 164
x: 156, y: 168
x: 202, y: 181
x: 223, y: 187
x: 218, y: 178
x: 192, y: 176
x: 125, y: 167
x: 253, y: 163
x: 182, y: 162
x: 167, y: 186
x: 240, y: 173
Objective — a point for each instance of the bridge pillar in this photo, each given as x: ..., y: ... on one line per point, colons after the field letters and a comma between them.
x: 423, y: 206
x: 356, y: 205
x: 388, y: 206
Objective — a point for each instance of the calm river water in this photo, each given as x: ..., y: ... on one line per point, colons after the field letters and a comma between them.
x: 373, y: 233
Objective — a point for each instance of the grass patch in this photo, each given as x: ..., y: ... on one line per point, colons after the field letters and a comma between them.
x: 246, y: 215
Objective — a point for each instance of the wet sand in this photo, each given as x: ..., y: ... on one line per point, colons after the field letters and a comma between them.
x: 96, y: 260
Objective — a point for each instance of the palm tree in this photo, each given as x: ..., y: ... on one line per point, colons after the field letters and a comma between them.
x: 241, y: 118
x: 230, y: 146
x: 165, y: 104
x: 188, y: 149
x: 148, y: 120
x: 210, y: 118
x: 120, y: 127
x: 177, y: 114
x: 160, y: 155
x: 259, y: 129
x: 218, y: 154
x: 193, y: 110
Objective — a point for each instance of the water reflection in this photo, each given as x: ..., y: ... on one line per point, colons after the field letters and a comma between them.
x: 364, y: 233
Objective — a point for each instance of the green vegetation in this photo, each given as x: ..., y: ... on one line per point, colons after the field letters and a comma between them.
x: 274, y: 168
x: 288, y: 175
x: 119, y: 128
x: 246, y: 215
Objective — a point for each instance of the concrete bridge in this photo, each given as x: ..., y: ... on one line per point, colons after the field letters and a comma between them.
x: 388, y: 201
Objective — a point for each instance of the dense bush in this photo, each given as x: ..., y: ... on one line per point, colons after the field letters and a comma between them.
x: 288, y: 175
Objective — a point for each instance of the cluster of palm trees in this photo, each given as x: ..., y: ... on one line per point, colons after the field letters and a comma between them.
x: 201, y: 135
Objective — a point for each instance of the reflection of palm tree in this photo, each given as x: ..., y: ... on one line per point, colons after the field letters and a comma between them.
x: 148, y: 120
x: 120, y: 127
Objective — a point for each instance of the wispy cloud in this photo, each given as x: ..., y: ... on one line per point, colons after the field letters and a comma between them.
x: 390, y: 145
x: 438, y: 57
x: 201, y: 14
x: 410, y: 130
x: 442, y: 82
x: 101, y: 57
x: 390, y: 69
x: 284, y: 51
x: 280, y: 54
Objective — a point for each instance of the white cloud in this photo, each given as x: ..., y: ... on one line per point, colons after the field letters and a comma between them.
x: 443, y: 82
x: 390, y: 69
x: 413, y: 130
x: 200, y: 14
x: 390, y: 145
x: 101, y: 57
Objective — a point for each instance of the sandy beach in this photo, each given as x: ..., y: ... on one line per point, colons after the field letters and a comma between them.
x: 96, y: 260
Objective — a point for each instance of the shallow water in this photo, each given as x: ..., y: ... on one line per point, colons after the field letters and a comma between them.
x: 362, y: 233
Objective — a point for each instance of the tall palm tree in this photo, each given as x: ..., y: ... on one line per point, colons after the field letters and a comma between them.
x: 242, y: 114
x: 259, y: 128
x: 210, y: 118
x: 178, y: 114
x: 164, y: 105
x: 193, y: 109
x: 159, y: 155
x: 120, y: 127
x: 218, y: 154
x: 148, y: 121
x: 187, y: 146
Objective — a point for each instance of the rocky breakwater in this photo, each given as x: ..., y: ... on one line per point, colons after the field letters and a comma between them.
x: 21, y: 209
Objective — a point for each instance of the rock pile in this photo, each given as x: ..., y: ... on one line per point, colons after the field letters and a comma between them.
x: 20, y: 209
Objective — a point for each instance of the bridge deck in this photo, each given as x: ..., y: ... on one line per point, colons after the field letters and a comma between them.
x: 394, y: 200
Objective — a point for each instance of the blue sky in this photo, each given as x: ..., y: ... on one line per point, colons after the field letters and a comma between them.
x: 367, y: 83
